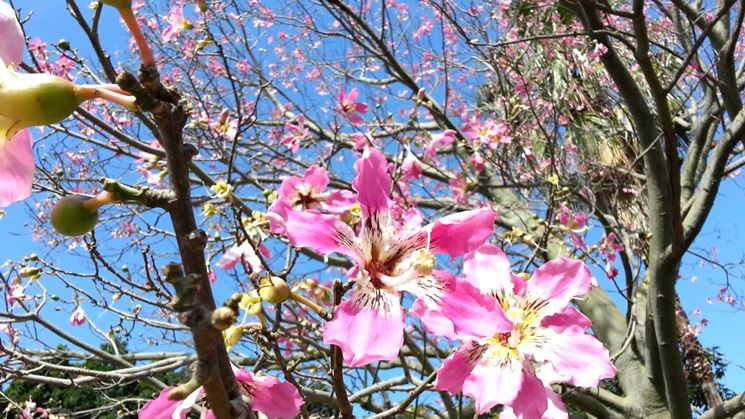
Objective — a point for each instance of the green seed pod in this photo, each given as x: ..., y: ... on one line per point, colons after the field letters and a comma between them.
x: 71, y: 218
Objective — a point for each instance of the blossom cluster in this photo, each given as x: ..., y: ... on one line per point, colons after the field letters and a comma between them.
x: 518, y: 335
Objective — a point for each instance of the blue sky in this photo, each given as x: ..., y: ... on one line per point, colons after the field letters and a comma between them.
x: 722, y: 232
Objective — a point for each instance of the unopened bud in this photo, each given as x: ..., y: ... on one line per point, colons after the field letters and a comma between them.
x: 232, y: 335
x: 223, y: 318
x: 29, y: 272
x: 71, y: 217
x: 63, y: 44
x: 274, y: 289
x: 28, y: 100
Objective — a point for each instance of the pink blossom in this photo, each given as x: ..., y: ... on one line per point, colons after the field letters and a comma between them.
x: 611, y: 246
x: 308, y: 192
x: 77, y: 318
x: 411, y: 166
x: 610, y: 271
x: 17, y: 293
x: 361, y: 140
x: 266, y: 394
x: 438, y: 141
x: 238, y: 252
x: 349, y: 108
x: 388, y: 260
x: 574, y: 223
x: 9, y: 331
x: 296, y: 133
x: 597, y: 52
x: 489, y: 133
x: 547, y: 343
x: 176, y: 22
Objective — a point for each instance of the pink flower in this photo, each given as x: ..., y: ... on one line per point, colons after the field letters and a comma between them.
x: 308, y: 192
x: 238, y: 252
x: 388, y: 260
x: 77, y: 318
x: 16, y: 157
x: 411, y: 166
x: 547, y: 342
x: 17, y: 293
x: 296, y: 133
x: 177, y: 22
x: 437, y: 142
x: 349, y: 107
x: 611, y: 246
x: 266, y: 394
x: 574, y: 223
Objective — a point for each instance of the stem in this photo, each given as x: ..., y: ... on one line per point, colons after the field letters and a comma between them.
x: 146, y: 53
x: 311, y: 305
x: 98, y: 201
x: 88, y: 92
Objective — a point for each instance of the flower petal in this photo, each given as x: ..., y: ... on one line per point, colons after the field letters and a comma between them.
x: 368, y: 327
x: 16, y: 168
x: 489, y: 270
x: 373, y: 184
x: 576, y: 355
x: 277, y: 215
x: 554, y: 410
x: 456, y: 309
x: 13, y: 44
x: 317, y: 178
x: 163, y: 408
x: 570, y: 316
x: 557, y: 282
x: 322, y: 233
x: 339, y: 202
x: 531, y: 400
x: 495, y: 383
x: 459, y: 233
x: 238, y: 252
x: 456, y: 368
x: 275, y: 399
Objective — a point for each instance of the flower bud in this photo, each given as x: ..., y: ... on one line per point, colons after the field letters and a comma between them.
x: 29, y: 272
x: 28, y: 100
x: 223, y: 318
x: 232, y: 335
x: 251, y: 303
x: 63, y: 44
x: 274, y: 289
x: 72, y: 218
